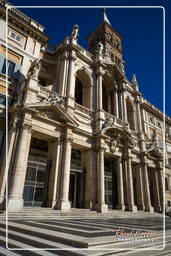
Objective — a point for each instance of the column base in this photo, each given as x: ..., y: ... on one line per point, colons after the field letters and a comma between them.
x: 132, y: 208
x: 141, y: 207
x: 149, y: 209
x: 88, y: 205
x: 157, y: 208
x: 15, y: 204
x: 64, y: 206
x: 102, y: 207
x: 121, y: 207
x: 2, y: 202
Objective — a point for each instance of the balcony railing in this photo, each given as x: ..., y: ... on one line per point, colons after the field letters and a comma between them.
x: 44, y: 93
x: 83, y: 109
x: 3, y: 78
x: 117, y: 120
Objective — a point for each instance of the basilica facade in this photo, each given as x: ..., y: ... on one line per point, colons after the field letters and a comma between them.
x: 80, y: 134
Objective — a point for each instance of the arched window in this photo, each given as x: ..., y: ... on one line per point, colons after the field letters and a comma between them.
x: 82, y: 89
x: 107, y: 96
x: 166, y: 184
x: 130, y: 114
x: 78, y: 91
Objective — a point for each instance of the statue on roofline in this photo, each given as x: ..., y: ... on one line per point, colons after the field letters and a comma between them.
x: 74, y: 33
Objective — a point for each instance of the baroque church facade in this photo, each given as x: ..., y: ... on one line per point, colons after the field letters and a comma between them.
x: 80, y: 134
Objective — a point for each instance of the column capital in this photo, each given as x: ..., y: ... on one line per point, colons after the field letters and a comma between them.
x: 27, y: 127
x: 68, y: 140
x: 99, y: 71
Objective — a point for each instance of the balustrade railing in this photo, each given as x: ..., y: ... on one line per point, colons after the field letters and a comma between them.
x: 115, y: 119
x: 44, y: 93
x: 82, y: 109
x: 3, y: 77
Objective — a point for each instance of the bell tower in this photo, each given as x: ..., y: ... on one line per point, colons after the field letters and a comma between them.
x: 110, y: 39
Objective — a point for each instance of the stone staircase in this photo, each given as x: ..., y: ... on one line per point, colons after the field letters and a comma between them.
x: 89, y: 235
x: 40, y: 212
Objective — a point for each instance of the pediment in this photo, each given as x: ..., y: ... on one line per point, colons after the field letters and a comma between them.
x: 52, y: 112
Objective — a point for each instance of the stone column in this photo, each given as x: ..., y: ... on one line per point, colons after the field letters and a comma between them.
x: 71, y: 79
x: 121, y: 204
x: 139, y: 120
x: 147, y: 197
x: 54, y: 154
x: 161, y: 181
x: 140, y: 205
x: 109, y: 103
x: 63, y: 73
x: 99, y: 90
x: 91, y: 96
x: 7, y: 162
x: 124, y: 110
x: 101, y: 206
x: 64, y: 204
x: 158, y: 202
x: 16, y: 187
x: 131, y: 204
x: 116, y: 110
x: 88, y: 180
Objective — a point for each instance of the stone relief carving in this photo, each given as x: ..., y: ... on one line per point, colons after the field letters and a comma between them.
x: 152, y: 145
x: 110, y: 122
x: 48, y: 114
x: 35, y: 69
x: 74, y: 33
x: 54, y: 99
x: 115, y: 142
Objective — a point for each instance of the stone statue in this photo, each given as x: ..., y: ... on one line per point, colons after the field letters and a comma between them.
x: 74, y: 33
x: 106, y: 52
x: 100, y: 48
x: 35, y: 68
x: 115, y: 142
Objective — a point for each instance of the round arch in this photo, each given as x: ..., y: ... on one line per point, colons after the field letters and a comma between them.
x: 82, y: 88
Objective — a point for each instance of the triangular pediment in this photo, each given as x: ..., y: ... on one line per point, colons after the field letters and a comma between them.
x: 53, y: 112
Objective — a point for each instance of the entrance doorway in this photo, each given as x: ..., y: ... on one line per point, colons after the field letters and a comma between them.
x: 37, y: 175
x: 111, y: 191
x: 35, y: 180
x: 77, y: 180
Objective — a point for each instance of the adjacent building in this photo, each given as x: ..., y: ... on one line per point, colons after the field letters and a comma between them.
x: 80, y: 134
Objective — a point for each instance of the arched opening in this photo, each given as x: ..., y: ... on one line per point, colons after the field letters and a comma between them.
x: 107, y: 95
x: 130, y: 114
x: 82, y: 89
x: 78, y: 91
x: 166, y: 184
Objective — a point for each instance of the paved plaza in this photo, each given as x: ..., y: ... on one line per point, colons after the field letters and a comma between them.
x: 89, y: 234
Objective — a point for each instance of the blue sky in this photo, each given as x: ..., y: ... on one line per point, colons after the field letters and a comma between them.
x: 141, y: 29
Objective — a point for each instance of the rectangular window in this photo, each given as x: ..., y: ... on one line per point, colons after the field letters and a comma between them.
x: 8, y: 67
x: 2, y: 100
x: 15, y: 36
